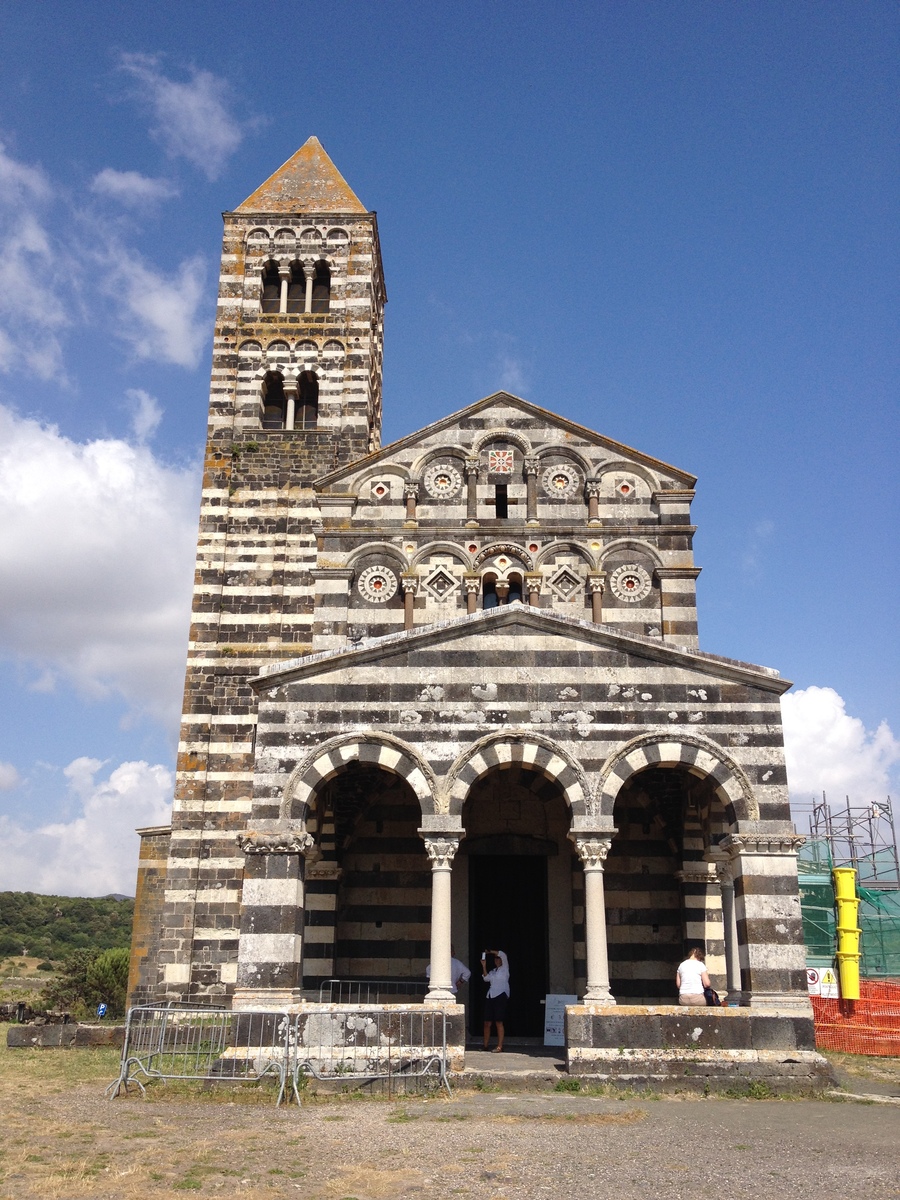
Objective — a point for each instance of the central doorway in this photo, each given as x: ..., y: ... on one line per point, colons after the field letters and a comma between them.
x: 508, y: 911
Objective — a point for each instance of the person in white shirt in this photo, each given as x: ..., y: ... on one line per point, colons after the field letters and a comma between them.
x: 459, y: 972
x: 495, y: 1005
x: 692, y: 978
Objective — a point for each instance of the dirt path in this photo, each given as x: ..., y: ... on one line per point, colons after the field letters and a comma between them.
x: 62, y: 1140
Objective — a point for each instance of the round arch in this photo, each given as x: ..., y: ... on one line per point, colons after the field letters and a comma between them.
x: 565, y: 548
x: 549, y: 450
x: 698, y: 756
x: 455, y: 454
x: 376, y: 472
x: 375, y: 749
x: 510, y: 548
x: 397, y: 557
x: 451, y: 548
x: 526, y: 749
x: 632, y: 546
x: 502, y: 435
x: 632, y: 468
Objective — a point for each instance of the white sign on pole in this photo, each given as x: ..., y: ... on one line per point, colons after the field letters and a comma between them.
x: 555, y: 1019
x: 813, y: 981
x: 829, y: 984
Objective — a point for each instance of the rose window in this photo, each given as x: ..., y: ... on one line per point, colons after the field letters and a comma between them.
x: 630, y: 583
x: 560, y: 481
x: 442, y: 481
x: 377, y: 584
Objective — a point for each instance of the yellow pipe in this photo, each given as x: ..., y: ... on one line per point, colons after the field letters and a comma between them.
x: 848, y: 931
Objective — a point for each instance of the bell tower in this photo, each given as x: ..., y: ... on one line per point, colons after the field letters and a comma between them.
x: 295, y: 394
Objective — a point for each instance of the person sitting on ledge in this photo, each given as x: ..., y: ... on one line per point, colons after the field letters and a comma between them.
x: 692, y: 978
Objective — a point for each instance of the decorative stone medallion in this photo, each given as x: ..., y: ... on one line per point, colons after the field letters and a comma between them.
x: 630, y: 583
x: 442, y: 481
x: 565, y: 583
x: 560, y: 481
x: 380, y: 491
x: 625, y: 489
x: 441, y: 584
x: 500, y: 462
x: 377, y: 584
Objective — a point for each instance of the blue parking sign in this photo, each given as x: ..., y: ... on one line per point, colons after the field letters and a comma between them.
x: 101, y: 1010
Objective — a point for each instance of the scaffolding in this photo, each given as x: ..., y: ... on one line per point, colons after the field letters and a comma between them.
x: 865, y: 839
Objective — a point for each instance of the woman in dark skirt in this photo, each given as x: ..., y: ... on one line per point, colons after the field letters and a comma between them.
x: 497, y: 980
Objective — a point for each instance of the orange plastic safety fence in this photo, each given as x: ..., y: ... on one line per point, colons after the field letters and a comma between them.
x: 869, y: 1025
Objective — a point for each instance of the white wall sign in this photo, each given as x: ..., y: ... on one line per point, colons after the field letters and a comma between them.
x: 813, y: 981
x: 555, y: 1019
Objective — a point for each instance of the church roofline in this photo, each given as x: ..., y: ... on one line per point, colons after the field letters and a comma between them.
x: 373, y: 649
x: 527, y: 406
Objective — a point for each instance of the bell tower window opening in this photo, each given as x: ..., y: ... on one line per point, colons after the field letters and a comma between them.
x: 307, y: 414
x: 274, y: 404
x: 296, y: 292
x: 489, y: 597
x: 515, y: 589
x: 270, y: 298
x: 321, y: 289
x: 501, y: 501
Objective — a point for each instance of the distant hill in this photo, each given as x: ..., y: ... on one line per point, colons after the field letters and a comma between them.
x: 52, y: 927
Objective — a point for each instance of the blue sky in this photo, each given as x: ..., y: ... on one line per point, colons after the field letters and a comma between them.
x: 676, y: 223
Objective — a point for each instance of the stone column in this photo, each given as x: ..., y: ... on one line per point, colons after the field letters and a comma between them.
x: 291, y: 391
x: 593, y: 851
x: 472, y: 584
x: 309, y: 271
x: 284, y: 275
x: 725, y: 873
x: 531, y: 474
x: 472, y: 491
x: 533, y: 587
x: 768, y: 919
x: 411, y: 495
x: 596, y: 582
x: 441, y: 851
x: 592, y: 491
x: 270, y: 948
x: 502, y: 586
x: 410, y: 585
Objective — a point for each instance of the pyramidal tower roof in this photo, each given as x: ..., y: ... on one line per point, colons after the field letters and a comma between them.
x: 309, y: 182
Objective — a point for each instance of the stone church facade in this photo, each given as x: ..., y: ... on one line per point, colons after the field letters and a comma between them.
x: 449, y: 689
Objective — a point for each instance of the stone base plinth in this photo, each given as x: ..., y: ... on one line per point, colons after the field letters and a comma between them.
x: 661, y: 1046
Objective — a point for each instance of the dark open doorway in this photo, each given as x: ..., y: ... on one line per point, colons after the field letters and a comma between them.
x: 508, y: 911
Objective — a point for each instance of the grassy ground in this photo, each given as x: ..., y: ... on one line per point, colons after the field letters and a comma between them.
x: 21, y: 980
x: 62, y: 1140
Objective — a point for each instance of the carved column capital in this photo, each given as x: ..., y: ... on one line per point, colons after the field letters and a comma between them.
x: 592, y: 851
x: 411, y: 490
x: 441, y: 851
x: 596, y: 582
x: 473, y: 465
x: 472, y: 584
x: 409, y: 583
x: 532, y: 464
x: 592, y: 489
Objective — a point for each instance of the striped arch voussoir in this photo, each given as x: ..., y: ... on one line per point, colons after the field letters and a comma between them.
x: 698, y: 757
x: 327, y: 760
x: 510, y: 749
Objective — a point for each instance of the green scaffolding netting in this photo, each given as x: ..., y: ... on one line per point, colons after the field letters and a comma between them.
x: 879, y: 915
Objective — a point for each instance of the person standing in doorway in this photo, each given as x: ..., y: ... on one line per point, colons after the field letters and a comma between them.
x: 692, y: 978
x: 497, y: 1001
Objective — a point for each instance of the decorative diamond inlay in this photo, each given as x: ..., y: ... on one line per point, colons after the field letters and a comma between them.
x: 500, y: 462
x: 565, y: 583
x: 441, y: 584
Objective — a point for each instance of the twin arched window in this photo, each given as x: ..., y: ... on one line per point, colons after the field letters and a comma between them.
x: 495, y: 592
x: 301, y: 290
x: 284, y: 408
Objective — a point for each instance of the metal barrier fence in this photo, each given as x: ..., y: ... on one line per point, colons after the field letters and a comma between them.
x: 366, y: 1043
x: 335, y: 1043
x: 210, y: 1044
x: 372, y: 991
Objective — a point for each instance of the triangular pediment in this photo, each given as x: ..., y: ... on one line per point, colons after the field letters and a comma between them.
x: 308, y: 182
x: 475, y: 631
x: 504, y: 403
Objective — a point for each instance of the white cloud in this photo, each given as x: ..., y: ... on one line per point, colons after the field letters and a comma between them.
x: 96, y: 852
x: 161, y: 318
x: 9, y: 777
x: 829, y: 751
x: 96, y: 557
x: 37, y: 279
x: 146, y: 413
x: 131, y: 188
x: 193, y: 120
